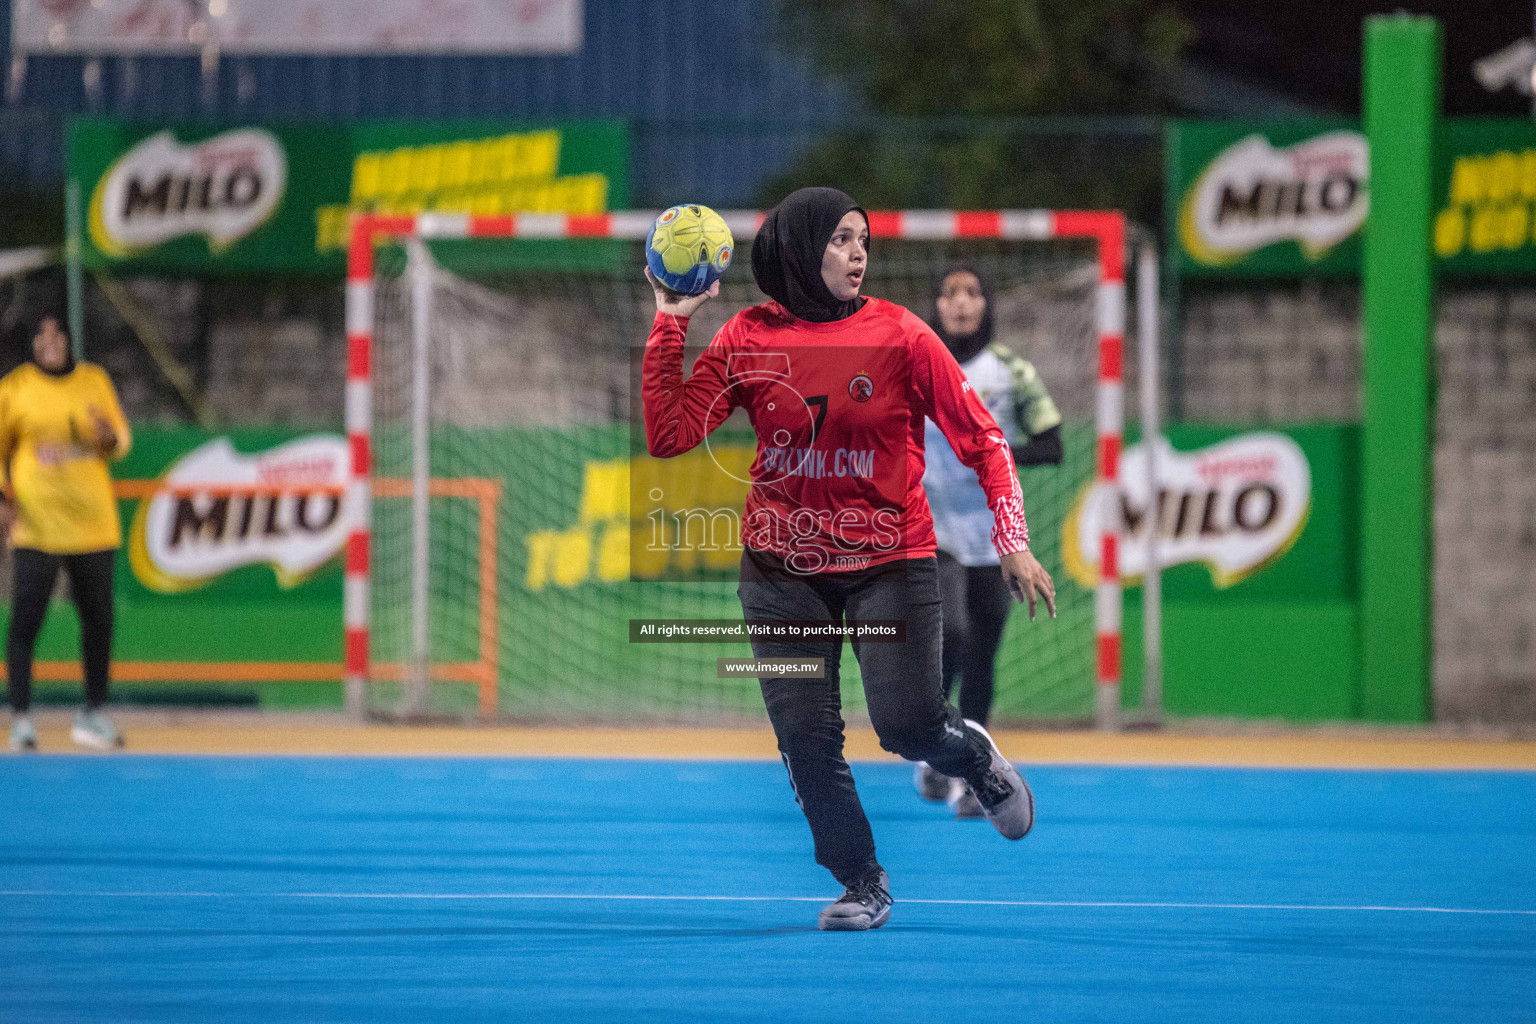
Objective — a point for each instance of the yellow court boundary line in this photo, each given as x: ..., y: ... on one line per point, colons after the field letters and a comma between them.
x: 292, y: 736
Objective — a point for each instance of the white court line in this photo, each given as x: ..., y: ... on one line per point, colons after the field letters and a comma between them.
x: 1134, y: 905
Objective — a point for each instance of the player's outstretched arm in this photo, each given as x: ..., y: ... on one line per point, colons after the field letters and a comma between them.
x: 680, y: 413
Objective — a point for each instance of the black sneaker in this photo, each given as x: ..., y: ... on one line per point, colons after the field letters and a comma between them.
x: 866, y: 905
x: 1005, y: 799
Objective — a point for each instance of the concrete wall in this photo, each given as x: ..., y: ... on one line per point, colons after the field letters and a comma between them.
x: 1291, y: 353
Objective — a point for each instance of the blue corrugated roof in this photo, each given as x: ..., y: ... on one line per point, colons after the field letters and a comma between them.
x: 657, y: 58
x: 660, y: 63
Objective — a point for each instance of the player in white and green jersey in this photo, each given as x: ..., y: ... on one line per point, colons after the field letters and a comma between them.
x: 975, y: 599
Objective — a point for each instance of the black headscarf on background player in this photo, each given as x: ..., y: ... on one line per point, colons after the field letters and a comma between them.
x: 1044, y: 448
x: 964, y: 346
x: 788, y: 250
x: 69, y: 349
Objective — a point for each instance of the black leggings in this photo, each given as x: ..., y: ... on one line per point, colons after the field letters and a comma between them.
x: 976, y: 607
x: 90, y: 582
x: 902, y: 687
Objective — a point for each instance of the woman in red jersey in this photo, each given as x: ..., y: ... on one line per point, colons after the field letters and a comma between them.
x: 836, y: 526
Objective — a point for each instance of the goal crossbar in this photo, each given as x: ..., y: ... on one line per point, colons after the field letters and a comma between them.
x: 1107, y: 229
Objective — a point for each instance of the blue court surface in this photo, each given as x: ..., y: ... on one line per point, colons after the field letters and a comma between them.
x: 317, y: 890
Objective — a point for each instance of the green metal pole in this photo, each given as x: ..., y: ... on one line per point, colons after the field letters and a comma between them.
x: 1402, y: 105
x: 73, y: 280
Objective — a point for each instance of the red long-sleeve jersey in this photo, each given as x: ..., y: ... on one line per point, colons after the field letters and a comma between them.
x: 838, y: 409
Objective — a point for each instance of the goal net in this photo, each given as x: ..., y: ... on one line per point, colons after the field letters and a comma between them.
x: 510, y: 487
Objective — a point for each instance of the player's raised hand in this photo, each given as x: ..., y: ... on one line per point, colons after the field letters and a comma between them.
x: 669, y: 301
x: 1028, y: 581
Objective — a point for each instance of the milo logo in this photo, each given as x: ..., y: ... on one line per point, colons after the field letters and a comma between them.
x: 224, y: 187
x: 215, y: 510
x: 1253, y: 194
x: 1236, y: 507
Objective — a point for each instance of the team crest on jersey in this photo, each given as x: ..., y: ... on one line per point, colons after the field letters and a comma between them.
x: 861, y: 387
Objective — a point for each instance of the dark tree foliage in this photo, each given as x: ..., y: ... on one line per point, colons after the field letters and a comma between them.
x: 952, y: 86
x: 1006, y: 57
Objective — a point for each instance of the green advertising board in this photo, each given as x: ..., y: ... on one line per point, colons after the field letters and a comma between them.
x: 1289, y: 198
x: 220, y: 198
x: 1485, y: 185
x: 230, y: 570
x: 1266, y: 198
x: 1260, y: 602
x: 1250, y: 515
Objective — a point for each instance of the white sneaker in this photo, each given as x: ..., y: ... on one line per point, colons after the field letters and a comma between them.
x: 95, y: 730
x: 1004, y: 798
x: 965, y: 804
x: 23, y: 734
x: 933, y: 785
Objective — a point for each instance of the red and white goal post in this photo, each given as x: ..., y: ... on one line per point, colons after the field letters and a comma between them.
x: 1107, y: 229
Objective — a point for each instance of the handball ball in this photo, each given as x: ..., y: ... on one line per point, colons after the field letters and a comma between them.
x: 688, y: 248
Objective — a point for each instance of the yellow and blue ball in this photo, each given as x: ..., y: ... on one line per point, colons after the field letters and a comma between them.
x: 688, y: 248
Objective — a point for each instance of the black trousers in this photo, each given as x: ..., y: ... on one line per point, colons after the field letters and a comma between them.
x: 976, y: 606
x: 90, y: 583
x: 902, y: 687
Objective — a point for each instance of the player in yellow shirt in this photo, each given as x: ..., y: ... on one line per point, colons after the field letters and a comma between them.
x: 60, y: 424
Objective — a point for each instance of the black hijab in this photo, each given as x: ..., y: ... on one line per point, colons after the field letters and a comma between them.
x: 964, y: 346
x: 788, y: 250
x: 69, y: 352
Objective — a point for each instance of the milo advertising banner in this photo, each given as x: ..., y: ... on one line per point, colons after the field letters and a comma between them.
x: 247, y: 515
x: 1289, y: 198
x: 1257, y: 537
x: 1260, y: 198
x: 1235, y: 507
x: 216, y: 509
x: 274, y: 198
x: 1238, y: 514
